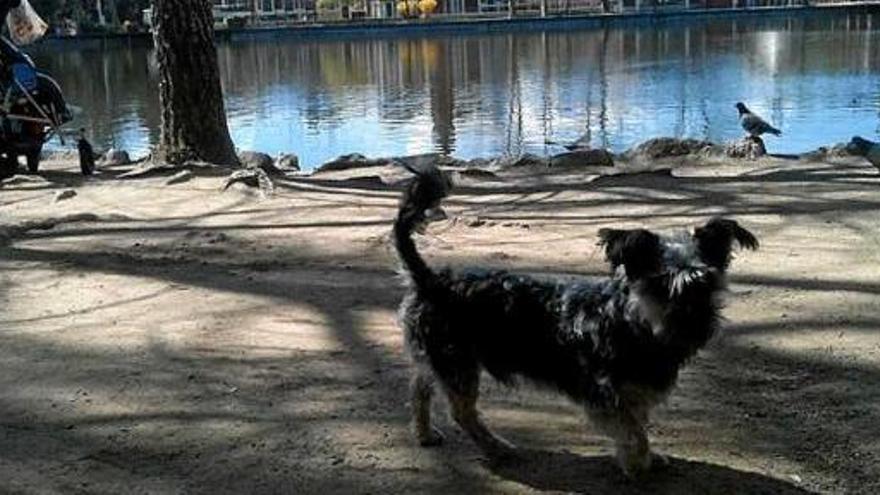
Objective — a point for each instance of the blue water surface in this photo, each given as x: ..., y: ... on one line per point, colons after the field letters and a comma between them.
x: 817, y: 77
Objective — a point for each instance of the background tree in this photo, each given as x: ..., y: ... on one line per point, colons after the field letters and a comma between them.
x: 99, y: 11
x: 190, y: 97
x: 84, y: 13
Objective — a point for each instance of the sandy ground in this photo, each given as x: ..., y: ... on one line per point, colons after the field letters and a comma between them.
x: 212, y: 342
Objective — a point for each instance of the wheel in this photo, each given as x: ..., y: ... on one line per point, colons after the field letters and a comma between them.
x: 8, y: 166
x: 33, y: 161
x: 51, y: 98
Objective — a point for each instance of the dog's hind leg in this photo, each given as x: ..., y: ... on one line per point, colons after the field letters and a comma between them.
x: 630, y: 439
x: 464, y: 411
x: 422, y: 389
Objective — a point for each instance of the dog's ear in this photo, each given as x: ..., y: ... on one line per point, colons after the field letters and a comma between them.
x: 637, y: 250
x: 715, y: 241
x: 424, y: 193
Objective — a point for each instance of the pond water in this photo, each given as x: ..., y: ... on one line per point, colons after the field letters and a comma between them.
x: 817, y: 77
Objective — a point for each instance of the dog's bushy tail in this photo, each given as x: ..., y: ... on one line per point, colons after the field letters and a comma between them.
x: 420, y: 204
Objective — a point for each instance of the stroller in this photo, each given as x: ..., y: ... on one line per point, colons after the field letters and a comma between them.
x: 32, y: 110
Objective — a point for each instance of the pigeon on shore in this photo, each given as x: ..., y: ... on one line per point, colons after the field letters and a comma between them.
x: 868, y: 149
x: 753, y: 124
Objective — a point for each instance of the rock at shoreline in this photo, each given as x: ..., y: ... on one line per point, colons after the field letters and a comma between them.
x: 256, y: 160
x: 113, y: 157
x: 838, y: 150
x: 426, y: 160
x: 583, y: 158
x: 350, y: 161
x: 287, y: 161
x: 421, y: 161
x: 525, y: 160
x: 665, y: 147
x: 749, y: 147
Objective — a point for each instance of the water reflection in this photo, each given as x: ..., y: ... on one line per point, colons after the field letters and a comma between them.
x: 816, y: 77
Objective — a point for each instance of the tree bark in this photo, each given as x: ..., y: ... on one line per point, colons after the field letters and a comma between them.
x: 113, y: 10
x: 190, y: 97
x: 100, y: 10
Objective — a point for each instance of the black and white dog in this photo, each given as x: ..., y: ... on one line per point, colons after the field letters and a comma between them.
x: 615, y: 346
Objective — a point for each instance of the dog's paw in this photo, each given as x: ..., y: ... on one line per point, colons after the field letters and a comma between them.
x: 501, y: 450
x: 659, y: 461
x: 431, y: 438
x: 635, y: 472
x: 636, y: 467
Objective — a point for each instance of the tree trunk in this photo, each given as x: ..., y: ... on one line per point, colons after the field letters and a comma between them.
x: 190, y: 96
x: 100, y: 10
x: 113, y: 10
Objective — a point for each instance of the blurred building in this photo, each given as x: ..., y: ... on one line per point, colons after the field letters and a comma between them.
x: 236, y: 12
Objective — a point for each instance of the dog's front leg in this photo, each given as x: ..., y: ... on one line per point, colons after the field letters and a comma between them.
x: 633, y: 451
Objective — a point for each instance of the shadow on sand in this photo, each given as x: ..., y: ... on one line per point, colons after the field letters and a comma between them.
x: 569, y: 472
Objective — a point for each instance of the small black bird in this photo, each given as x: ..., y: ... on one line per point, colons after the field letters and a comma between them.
x: 753, y: 124
x: 86, y: 154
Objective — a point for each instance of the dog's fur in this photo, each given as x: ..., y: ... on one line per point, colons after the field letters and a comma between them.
x: 615, y: 346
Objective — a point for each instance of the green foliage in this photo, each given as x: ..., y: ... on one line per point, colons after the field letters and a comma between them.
x: 84, y: 12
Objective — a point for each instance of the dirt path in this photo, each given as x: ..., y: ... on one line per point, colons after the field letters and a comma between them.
x: 192, y: 341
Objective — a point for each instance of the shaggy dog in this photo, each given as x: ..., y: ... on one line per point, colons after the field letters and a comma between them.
x: 615, y: 346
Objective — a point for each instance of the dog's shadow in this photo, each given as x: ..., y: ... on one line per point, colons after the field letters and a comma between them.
x: 568, y: 472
